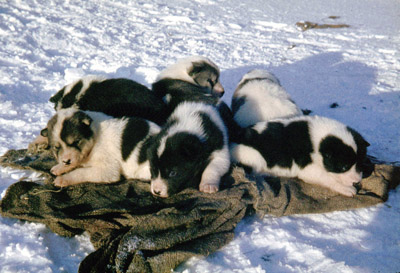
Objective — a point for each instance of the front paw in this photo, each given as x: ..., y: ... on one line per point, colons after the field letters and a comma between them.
x: 61, y: 181
x: 208, y: 188
x: 59, y: 169
x: 348, y: 191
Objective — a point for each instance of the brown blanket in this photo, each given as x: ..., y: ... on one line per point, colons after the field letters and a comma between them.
x: 133, y: 231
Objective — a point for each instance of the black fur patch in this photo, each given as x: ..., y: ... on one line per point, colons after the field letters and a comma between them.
x: 182, y: 161
x: 280, y: 145
x: 337, y: 156
x: 145, y: 149
x: 76, y: 129
x: 362, y: 145
x: 57, y: 97
x: 235, y: 132
x: 135, y: 131
x: 115, y: 97
x: 215, y: 138
x: 180, y: 91
x: 123, y: 97
x: 69, y: 99
x: 237, y: 102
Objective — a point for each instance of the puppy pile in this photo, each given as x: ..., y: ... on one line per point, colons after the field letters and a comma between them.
x: 180, y: 134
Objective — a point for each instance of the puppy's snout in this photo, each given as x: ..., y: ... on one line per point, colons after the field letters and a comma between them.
x: 156, y: 192
x: 67, y: 162
x: 159, y: 188
x: 218, y: 90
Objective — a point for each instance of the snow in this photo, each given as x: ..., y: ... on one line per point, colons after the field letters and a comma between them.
x: 46, y: 44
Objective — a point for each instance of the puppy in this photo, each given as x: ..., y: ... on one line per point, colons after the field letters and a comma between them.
x: 194, y: 78
x: 115, y: 97
x: 190, y: 151
x: 94, y: 147
x: 259, y: 96
x: 317, y: 150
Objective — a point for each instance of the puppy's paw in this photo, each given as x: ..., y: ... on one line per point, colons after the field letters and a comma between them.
x: 59, y: 169
x: 349, y: 191
x: 209, y: 188
x: 61, y: 181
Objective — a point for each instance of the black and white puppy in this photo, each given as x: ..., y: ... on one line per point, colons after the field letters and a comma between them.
x: 194, y: 78
x: 259, y: 96
x: 191, y: 151
x: 315, y: 149
x: 93, y: 147
x: 115, y: 97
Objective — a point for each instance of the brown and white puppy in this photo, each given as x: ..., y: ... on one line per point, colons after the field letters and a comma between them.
x: 259, y: 96
x: 94, y: 147
x: 314, y: 149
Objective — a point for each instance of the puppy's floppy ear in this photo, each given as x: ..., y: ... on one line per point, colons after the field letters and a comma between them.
x: 83, y: 118
x: 358, y: 137
x: 44, y: 132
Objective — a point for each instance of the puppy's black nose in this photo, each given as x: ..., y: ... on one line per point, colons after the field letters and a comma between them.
x: 156, y: 192
x: 67, y: 162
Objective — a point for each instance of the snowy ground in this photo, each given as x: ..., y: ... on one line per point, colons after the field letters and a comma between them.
x: 46, y: 44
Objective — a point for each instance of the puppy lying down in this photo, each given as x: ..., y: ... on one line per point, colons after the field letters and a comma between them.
x: 93, y: 147
x: 190, y: 151
x: 315, y: 149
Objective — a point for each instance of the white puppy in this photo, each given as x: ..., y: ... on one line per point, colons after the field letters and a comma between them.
x: 259, y: 96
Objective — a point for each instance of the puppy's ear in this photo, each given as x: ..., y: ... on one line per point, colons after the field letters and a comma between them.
x: 196, y: 68
x: 83, y: 118
x: 44, y: 132
x: 358, y: 138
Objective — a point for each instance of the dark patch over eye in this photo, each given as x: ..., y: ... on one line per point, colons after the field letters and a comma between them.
x: 76, y: 143
x: 172, y: 173
x: 337, y: 156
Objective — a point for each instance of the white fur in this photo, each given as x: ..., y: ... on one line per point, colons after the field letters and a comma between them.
x: 179, y: 70
x: 314, y: 173
x: 265, y: 99
x: 102, y: 161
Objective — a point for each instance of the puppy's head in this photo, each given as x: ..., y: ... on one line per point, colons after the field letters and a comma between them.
x: 71, y: 136
x: 340, y: 158
x: 197, y: 70
x: 176, y: 164
x: 258, y: 74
